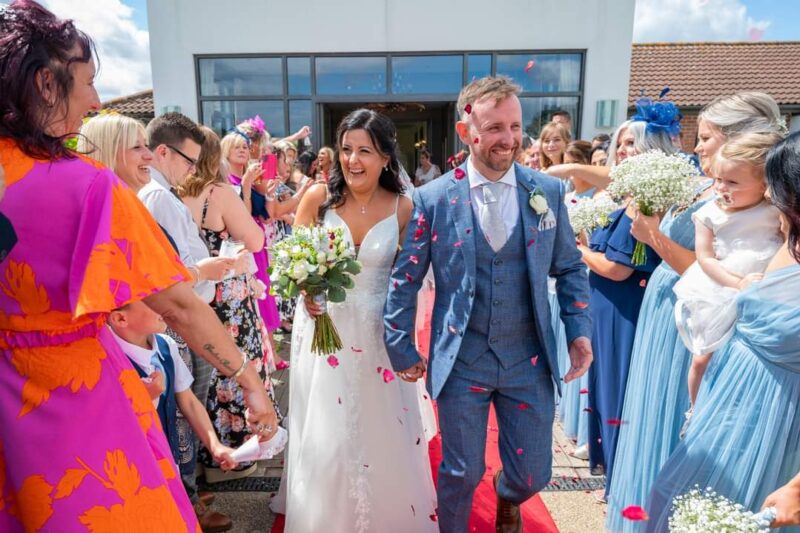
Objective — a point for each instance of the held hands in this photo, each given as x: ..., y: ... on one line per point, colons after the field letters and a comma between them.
x: 260, y: 413
x: 786, y: 500
x: 580, y: 358
x: 645, y: 228
x: 749, y: 279
x: 414, y: 373
x: 313, y: 309
x: 222, y: 455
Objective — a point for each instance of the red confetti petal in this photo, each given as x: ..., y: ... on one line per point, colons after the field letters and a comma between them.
x: 584, y: 391
x: 468, y: 231
x: 520, y: 451
x: 418, y: 233
x: 418, y: 441
x: 475, y: 388
x: 433, y: 518
x: 643, y: 283
x: 635, y: 513
x: 451, y: 159
x: 414, y: 259
x: 574, y: 201
x: 530, y: 65
x: 530, y: 242
x: 333, y: 361
x: 530, y: 480
x: 458, y: 244
x: 534, y: 360
x: 434, y: 236
x: 409, y: 278
x: 378, y: 370
x: 522, y: 406
x: 476, y: 140
x: 388, y: 375
x: 468, y: 109
x: 281, y: 365
x: 588, y: 410
x: 459, y: 174
x: 581, y: 305
x: 395, y: 283
x: 614, y: 422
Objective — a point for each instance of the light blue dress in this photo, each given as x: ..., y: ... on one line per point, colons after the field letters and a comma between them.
x: 744, y: 439
x: 657, y: 395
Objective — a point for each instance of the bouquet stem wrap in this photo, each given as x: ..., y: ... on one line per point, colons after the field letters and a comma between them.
x: 326, y: 339
x: 639, y: 256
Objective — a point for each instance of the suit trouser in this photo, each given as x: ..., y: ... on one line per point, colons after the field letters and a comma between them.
x: 523, y: 399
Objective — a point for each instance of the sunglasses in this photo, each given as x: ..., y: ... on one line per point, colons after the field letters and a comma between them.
x: 192, y: 162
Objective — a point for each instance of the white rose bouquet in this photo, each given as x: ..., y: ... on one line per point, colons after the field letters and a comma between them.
x: 655, y: 181
x: 700, y: 511
x: 588, y: 214
x: 319, y: 262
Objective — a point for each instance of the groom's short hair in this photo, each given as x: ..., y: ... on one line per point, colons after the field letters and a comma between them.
x: 497, y: 87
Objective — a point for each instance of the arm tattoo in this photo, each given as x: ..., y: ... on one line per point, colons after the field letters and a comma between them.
x: 224, y: 362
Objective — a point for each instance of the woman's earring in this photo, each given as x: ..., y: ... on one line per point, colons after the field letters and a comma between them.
x: 386, y: 168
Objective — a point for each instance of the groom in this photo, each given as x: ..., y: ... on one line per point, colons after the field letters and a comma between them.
x: 493, y: 231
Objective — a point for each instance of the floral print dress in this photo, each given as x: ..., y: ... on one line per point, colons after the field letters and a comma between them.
x: 235, y: 306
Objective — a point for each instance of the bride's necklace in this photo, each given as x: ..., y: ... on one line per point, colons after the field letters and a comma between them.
x: 363, y: 207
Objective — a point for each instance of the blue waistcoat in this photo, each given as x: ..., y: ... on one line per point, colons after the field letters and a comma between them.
x: 167, y: 404
x: 502, y: 319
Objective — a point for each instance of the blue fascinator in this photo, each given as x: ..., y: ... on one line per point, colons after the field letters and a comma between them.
x: 659, y: 116
x: 242, y: 134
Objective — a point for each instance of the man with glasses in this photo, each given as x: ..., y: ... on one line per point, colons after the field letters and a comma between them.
x: 175, y: 141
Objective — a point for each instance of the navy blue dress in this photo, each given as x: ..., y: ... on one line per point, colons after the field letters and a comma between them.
x: 615, y: 309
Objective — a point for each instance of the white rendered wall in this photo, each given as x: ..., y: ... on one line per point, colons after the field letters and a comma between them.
x: 179, y: 29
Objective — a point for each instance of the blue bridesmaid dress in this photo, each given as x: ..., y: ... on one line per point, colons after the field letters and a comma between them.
x: 657, y: 394
x: 615, y: 310
x: 744, y: 439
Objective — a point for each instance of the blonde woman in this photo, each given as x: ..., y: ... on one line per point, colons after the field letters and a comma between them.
x: 325, y: 160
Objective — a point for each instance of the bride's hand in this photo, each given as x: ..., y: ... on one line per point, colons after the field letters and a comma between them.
x: 414, y: 373
x: 314, y: 309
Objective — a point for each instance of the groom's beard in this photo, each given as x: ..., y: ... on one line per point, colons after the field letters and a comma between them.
x: 498, y: 162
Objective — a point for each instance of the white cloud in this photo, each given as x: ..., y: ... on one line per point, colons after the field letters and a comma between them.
x: 695, y: 20
x: 123, y: 49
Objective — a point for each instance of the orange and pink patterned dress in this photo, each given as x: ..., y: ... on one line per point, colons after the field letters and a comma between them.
x: 81, y: 447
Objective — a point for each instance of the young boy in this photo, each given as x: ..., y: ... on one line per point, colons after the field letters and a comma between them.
x: 137, y: 329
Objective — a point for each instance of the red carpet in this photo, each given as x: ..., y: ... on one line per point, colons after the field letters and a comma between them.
x: 536, y: 518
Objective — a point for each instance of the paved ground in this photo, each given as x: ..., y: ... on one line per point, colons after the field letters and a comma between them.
x: 574, y: 511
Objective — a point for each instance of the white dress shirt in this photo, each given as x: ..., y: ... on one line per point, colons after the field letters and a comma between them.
x: 509, y: 203
x: 143, y: 358
x: 177, y: 220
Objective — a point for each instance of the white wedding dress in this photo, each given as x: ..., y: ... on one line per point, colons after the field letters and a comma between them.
x: 357, y: 459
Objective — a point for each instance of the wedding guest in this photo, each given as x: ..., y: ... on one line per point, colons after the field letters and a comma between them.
x: 119, y: 142
x: 657, y: 397
x: 224, y: 220
x: 325, y: 159
x: 600, y: 155
x: 562, y: 117
x: 553, y: 141
x: 618, y: 288
x: 427, y: 171
x: 745, y: 432
x: 786, y: 501
x: 600, y: 139
x: 580, y: 152
x: 175, y: 142
x: 534, y: 155
x: 66, y: 384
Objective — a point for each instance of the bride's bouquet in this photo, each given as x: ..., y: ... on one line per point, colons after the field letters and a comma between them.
x: 588, y: 214
x: 319, y: 262
x: 700, y: 511
x: 655, y: 181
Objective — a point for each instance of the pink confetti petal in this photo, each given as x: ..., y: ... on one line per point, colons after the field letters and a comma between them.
x: 530, y: 480
x: 388, y: 375
x: 414, y: 259
x: 434, y: 236
x: 468, y: 109
x: 614, y: 422
x: 534, y: 360
x: 453, y: 330
x: 584, y: 391
x: 475, y: 388
x: 530, y: 65
x: 356, y: 350
x: 454, y: 201
x: 531, y: 242
x: 520, y: 451
x: 643, y: 283
x: 458, y: 244
x: 581, y: 305
x: 281, y: 365
x: 333, y: 361
x: 409, y: 278
x: 635, y: 513
x: 522, y: 406
x: 459, y: 174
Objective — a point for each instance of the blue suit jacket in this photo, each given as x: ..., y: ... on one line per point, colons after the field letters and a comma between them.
x: 438, y: 235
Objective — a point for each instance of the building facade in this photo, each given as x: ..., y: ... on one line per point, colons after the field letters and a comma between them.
x: 310, y: 63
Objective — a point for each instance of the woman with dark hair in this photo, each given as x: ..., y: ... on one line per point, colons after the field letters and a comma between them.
x: 68, y: 391
x: 427, y: 171
x: 745, y: 433
x: 358, y: 459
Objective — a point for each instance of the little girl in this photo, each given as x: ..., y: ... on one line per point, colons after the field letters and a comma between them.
x: 735, y: 237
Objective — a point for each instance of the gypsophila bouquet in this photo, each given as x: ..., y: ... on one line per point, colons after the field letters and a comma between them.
x: 588, y: 214
x: 320, y: 262
x: 703, y: 511
x: 655, y: 181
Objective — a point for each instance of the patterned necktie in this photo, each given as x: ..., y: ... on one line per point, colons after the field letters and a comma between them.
x: 491, y: 216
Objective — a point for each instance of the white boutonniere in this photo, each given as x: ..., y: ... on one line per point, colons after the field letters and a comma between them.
x: 538, y: 203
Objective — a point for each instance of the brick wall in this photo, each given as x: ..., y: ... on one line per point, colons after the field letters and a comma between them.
x: 689, y: 131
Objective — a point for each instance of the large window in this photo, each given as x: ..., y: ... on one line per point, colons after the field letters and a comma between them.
x: 284, y: 89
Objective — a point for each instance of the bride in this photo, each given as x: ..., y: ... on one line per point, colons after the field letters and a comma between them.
x: 358, y: 457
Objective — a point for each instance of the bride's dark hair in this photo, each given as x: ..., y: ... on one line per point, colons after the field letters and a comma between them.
x: 384, y: 136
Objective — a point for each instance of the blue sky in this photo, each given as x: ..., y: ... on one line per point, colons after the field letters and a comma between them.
x: 119, y: 27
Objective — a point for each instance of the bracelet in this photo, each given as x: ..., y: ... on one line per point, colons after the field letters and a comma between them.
x: 241, y: 370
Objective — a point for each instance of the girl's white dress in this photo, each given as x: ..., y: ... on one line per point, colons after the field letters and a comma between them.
x: 744, y: 242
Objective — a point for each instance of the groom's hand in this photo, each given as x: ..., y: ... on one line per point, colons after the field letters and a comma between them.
x: 580, y: 358
x: 414, y: 373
